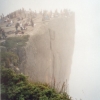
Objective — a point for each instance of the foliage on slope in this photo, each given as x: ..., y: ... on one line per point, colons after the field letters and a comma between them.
x: 17, y: 87
x: 12, y: 45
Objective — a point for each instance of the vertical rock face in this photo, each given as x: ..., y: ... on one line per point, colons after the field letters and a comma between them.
x: 49, y: 52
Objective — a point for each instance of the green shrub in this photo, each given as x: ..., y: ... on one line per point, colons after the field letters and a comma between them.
x: 17, y: 87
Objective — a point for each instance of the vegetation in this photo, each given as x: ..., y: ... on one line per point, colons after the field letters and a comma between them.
x: 13, y: 42
x: 8, y: 58
x: 13, y: 45
x: 17, y: 87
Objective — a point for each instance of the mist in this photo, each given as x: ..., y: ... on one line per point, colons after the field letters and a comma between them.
x: 84, y: 79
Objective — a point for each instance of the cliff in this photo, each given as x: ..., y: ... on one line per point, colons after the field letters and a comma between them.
x: 49, y: 51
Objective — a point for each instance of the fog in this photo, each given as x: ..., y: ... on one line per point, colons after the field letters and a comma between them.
x: 85, y: 77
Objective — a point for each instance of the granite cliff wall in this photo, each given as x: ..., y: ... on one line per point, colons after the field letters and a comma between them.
x: 49, y: 52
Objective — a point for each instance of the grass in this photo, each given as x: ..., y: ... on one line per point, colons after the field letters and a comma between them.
x: 13, y: 42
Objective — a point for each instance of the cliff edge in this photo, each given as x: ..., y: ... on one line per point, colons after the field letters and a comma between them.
x: 49, y: 51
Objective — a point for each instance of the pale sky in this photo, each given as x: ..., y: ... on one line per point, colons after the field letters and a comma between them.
x: 85, y: 75
x: 11, y: 5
